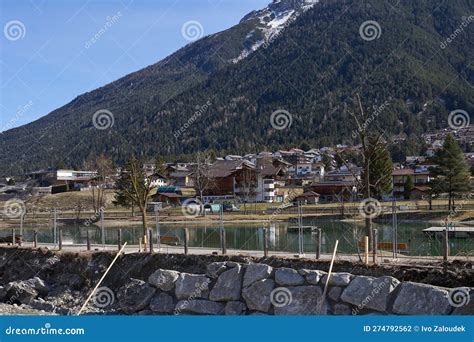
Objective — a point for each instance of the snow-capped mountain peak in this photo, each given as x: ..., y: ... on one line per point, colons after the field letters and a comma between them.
x: 270, y: 22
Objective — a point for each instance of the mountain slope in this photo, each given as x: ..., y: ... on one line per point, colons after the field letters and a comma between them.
x: 219, y: 93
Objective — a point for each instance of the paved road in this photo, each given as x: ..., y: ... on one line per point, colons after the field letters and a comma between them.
x: 383, y: 257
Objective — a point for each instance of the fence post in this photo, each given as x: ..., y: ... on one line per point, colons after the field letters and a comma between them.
x: 186, y: 237
x: 35, y: 238
x: 119, y: 238
x: 13, y: 237
x: 222, y: 230
x: 375, y: 239
x: 150, y: 239
x: 223, y: 241
x: 318, y: 243
x: 265, y: 242
x: 88, y: 240
x: 55, y: 226
x: 60, y: 239
x: 446, y: 244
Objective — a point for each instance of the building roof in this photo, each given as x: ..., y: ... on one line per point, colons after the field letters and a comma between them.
x: 308, y: 194
x: 408, y: 172
x: 180, y: 174
x: 225, y: 168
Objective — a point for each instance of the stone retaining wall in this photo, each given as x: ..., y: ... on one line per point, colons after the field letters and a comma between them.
x: 231, y: 288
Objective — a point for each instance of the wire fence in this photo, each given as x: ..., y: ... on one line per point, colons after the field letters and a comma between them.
x: 282, y: 238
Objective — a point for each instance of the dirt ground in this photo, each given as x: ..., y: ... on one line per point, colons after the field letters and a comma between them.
x: 86, y: 268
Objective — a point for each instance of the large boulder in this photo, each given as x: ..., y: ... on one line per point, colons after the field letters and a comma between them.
x: 235, y: 308
x: 162, y: 303
x: 257, y: 295
x: 39, y: 285
x: 135, y: 295
x: 199, y: 307
x: 192, y: 286
x: 369, y: 292
x: 335, y: 293
x: 421, y: 299
x: 228, y: 285
x: 337, y: 279
x: 299, y: 300
x: 341, y: 309
x: 163, y: 279
x: 288, y: 277
x: 312, y: 276
x: 20, y: 292
x: 214, y: 269
x: 256, y: 272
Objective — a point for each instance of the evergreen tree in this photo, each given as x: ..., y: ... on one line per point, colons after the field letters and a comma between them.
x: 409, y: 185
x: 380, y: 169
x: 452, y: 175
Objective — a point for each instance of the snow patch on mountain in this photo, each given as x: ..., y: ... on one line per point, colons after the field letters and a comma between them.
x: 270, y: 22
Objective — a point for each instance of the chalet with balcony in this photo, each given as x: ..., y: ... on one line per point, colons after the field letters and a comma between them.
x: 400, y: 177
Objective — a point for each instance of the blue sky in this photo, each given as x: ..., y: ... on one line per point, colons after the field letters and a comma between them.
x: 48, y: 55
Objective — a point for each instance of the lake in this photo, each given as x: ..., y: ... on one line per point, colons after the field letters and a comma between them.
x: 249, y: 236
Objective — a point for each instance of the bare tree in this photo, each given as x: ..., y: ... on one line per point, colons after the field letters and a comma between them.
x: 201, y: 176
x: 135, y: 187
x: 104, y: 167
x: 372, y: 142
x: 248, y: 184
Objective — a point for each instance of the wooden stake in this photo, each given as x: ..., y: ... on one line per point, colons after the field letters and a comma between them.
x: 35, y: 238
x: 13, y: 237
x: 101, y: 279
x: 145, y: 242
x: 366, y: 249
x: 323, y: 297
